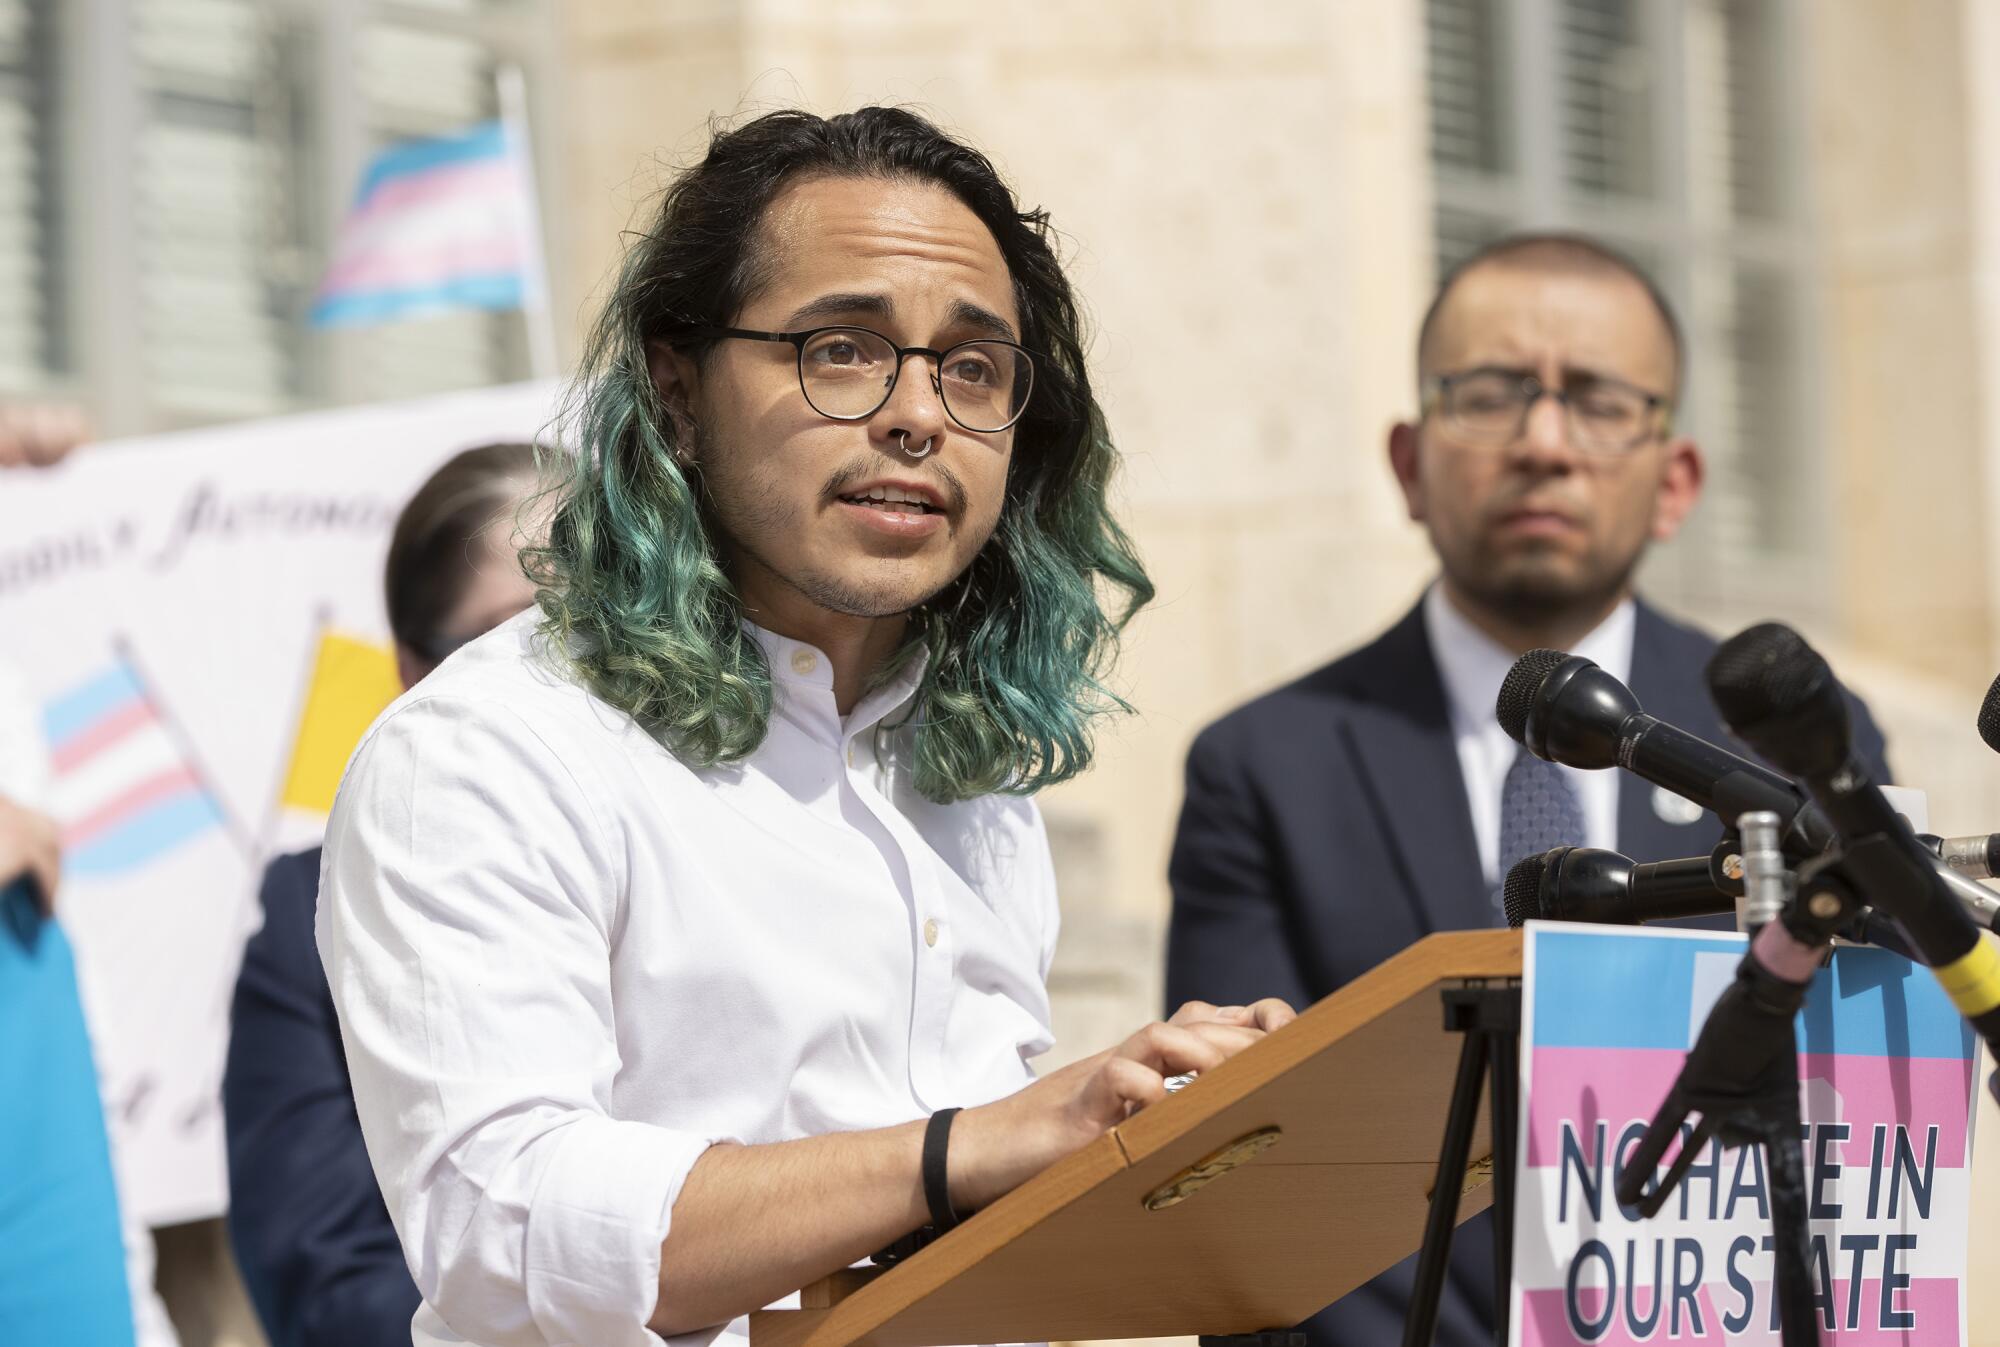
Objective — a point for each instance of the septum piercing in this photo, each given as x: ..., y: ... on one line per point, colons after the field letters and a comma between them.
x: 904, y: 436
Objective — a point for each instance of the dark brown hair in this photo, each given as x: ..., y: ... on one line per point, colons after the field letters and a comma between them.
x: 434, y: 550
x: 1570, y: 254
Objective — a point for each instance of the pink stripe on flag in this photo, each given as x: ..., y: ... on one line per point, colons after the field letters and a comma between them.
x: 1623, y: 1085
x: 389, y: 268
x: 88, y: 743
x: 149, y: 792
x: 494, y: 179
x: 1931, y: 1302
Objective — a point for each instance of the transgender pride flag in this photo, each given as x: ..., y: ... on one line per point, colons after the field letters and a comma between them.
x: 124, y: 792
x: 439, y: 223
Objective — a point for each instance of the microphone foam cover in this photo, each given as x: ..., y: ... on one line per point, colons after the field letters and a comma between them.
x: 1763, y: 672
x: 1520, y: 896
x: 1989, y: 717
x: 1517, y: 693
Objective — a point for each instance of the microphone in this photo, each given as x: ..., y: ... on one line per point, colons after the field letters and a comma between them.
x: 1565, y: 709
x: 1587, y: 884
x: 1989, y: 716
x: 1780, y: 695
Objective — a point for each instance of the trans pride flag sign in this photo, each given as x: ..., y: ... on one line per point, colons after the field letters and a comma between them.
x: 440, y: 223
x: 1887, y: 1069
x: 125, y: 791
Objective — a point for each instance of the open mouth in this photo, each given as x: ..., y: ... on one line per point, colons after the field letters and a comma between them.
x: 891, y: 500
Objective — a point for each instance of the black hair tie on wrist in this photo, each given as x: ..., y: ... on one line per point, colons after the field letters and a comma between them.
x: 937, y: 1192
x: 937, y: 1186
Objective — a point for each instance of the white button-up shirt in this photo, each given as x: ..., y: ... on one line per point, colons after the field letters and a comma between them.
x: 1472, y: 666
x: 566, y: 963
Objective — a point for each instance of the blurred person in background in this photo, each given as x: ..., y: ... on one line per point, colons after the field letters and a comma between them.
x: 306, y: 1219
x: 72, y: 1270
x: 1333, y: 822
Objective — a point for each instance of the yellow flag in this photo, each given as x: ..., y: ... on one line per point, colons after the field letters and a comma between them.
x: 352, y: 681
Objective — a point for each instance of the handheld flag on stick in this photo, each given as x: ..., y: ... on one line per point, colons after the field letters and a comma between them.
x: 127, y: 788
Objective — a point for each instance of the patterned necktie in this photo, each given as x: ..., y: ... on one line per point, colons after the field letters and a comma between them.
x: 1538, y: 810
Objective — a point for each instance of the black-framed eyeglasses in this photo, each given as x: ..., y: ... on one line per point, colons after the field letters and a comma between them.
x: 848, y: 373
x: 1605, y: 415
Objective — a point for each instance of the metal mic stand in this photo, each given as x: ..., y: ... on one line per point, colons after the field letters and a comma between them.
x: 1742, y: 1077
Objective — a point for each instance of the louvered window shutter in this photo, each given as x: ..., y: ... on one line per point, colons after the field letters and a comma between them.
x: 222, y: 269
x: 31, y: 339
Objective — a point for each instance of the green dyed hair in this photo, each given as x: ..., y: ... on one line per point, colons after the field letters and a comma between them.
x: 633, y: 587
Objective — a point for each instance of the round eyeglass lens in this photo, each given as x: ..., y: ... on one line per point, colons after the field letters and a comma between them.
x: 1608, y: 418
x: 846, y: 371
x: 1485, y: 404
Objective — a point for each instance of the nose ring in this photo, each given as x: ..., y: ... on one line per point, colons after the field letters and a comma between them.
x: 904, y: 436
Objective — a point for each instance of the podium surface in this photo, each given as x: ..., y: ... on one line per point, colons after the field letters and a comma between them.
x: 1357, y: 1089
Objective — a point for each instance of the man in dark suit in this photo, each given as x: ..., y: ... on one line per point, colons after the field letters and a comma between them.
x: 1335, y: 821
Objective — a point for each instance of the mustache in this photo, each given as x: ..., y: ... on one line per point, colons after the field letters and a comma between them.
x: 934, y: 473
x: 1529, y: 501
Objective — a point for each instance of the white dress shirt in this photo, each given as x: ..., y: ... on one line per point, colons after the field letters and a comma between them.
x: 1473, y: 666
x: 566, y: 963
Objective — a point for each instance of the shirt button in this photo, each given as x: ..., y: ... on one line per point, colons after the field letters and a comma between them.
x: 930, y: 932
x: 850, y: 755
x: 804, y: 661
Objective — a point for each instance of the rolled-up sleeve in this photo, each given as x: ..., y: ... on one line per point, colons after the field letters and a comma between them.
x: 469, y: 901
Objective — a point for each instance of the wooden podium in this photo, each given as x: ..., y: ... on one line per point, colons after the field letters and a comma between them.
x: 1328, y: 1137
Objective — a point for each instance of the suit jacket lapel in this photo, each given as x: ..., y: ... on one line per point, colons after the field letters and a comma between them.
x: 1400, y: 735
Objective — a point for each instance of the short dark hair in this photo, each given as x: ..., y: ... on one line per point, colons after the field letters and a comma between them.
x: 431, y: 556
x: 1567, y: 254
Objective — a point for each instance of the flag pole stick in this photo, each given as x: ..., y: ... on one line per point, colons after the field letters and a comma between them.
x: 537, y: 313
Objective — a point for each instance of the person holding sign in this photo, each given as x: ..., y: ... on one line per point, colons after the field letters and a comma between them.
x: 673, y: 925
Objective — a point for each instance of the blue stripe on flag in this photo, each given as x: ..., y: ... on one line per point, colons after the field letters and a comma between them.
x: 488, y: 140
x: 152, y: 832
x: 84, y: 705
x: 503, y: 290
x: 1613, y: 989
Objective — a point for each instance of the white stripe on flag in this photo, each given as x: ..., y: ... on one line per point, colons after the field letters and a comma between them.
x: 130, y: 762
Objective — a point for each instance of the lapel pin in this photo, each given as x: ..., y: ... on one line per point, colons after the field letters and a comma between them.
x: 1671, y: 808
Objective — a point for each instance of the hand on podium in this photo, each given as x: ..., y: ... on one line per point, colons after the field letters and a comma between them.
x: 755, y: 1222
x: 1001, y: 1145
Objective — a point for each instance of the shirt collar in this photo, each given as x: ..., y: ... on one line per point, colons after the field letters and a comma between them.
x: 802, y: 685
x: 1473, y: 665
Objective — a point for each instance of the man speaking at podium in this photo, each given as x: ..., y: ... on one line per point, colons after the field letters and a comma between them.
x: 1333, y: 822
x: 670, y: 923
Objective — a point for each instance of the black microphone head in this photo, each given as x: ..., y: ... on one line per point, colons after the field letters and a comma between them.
x: 1564, y: 709
x: 1989, y: 717
x: 1780, y: 695
x: 1521, y: 895
x: 1518, y: 692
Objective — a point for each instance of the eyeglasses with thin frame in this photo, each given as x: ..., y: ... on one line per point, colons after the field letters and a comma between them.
x: 849, y: 373
x: 1605, y: 415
